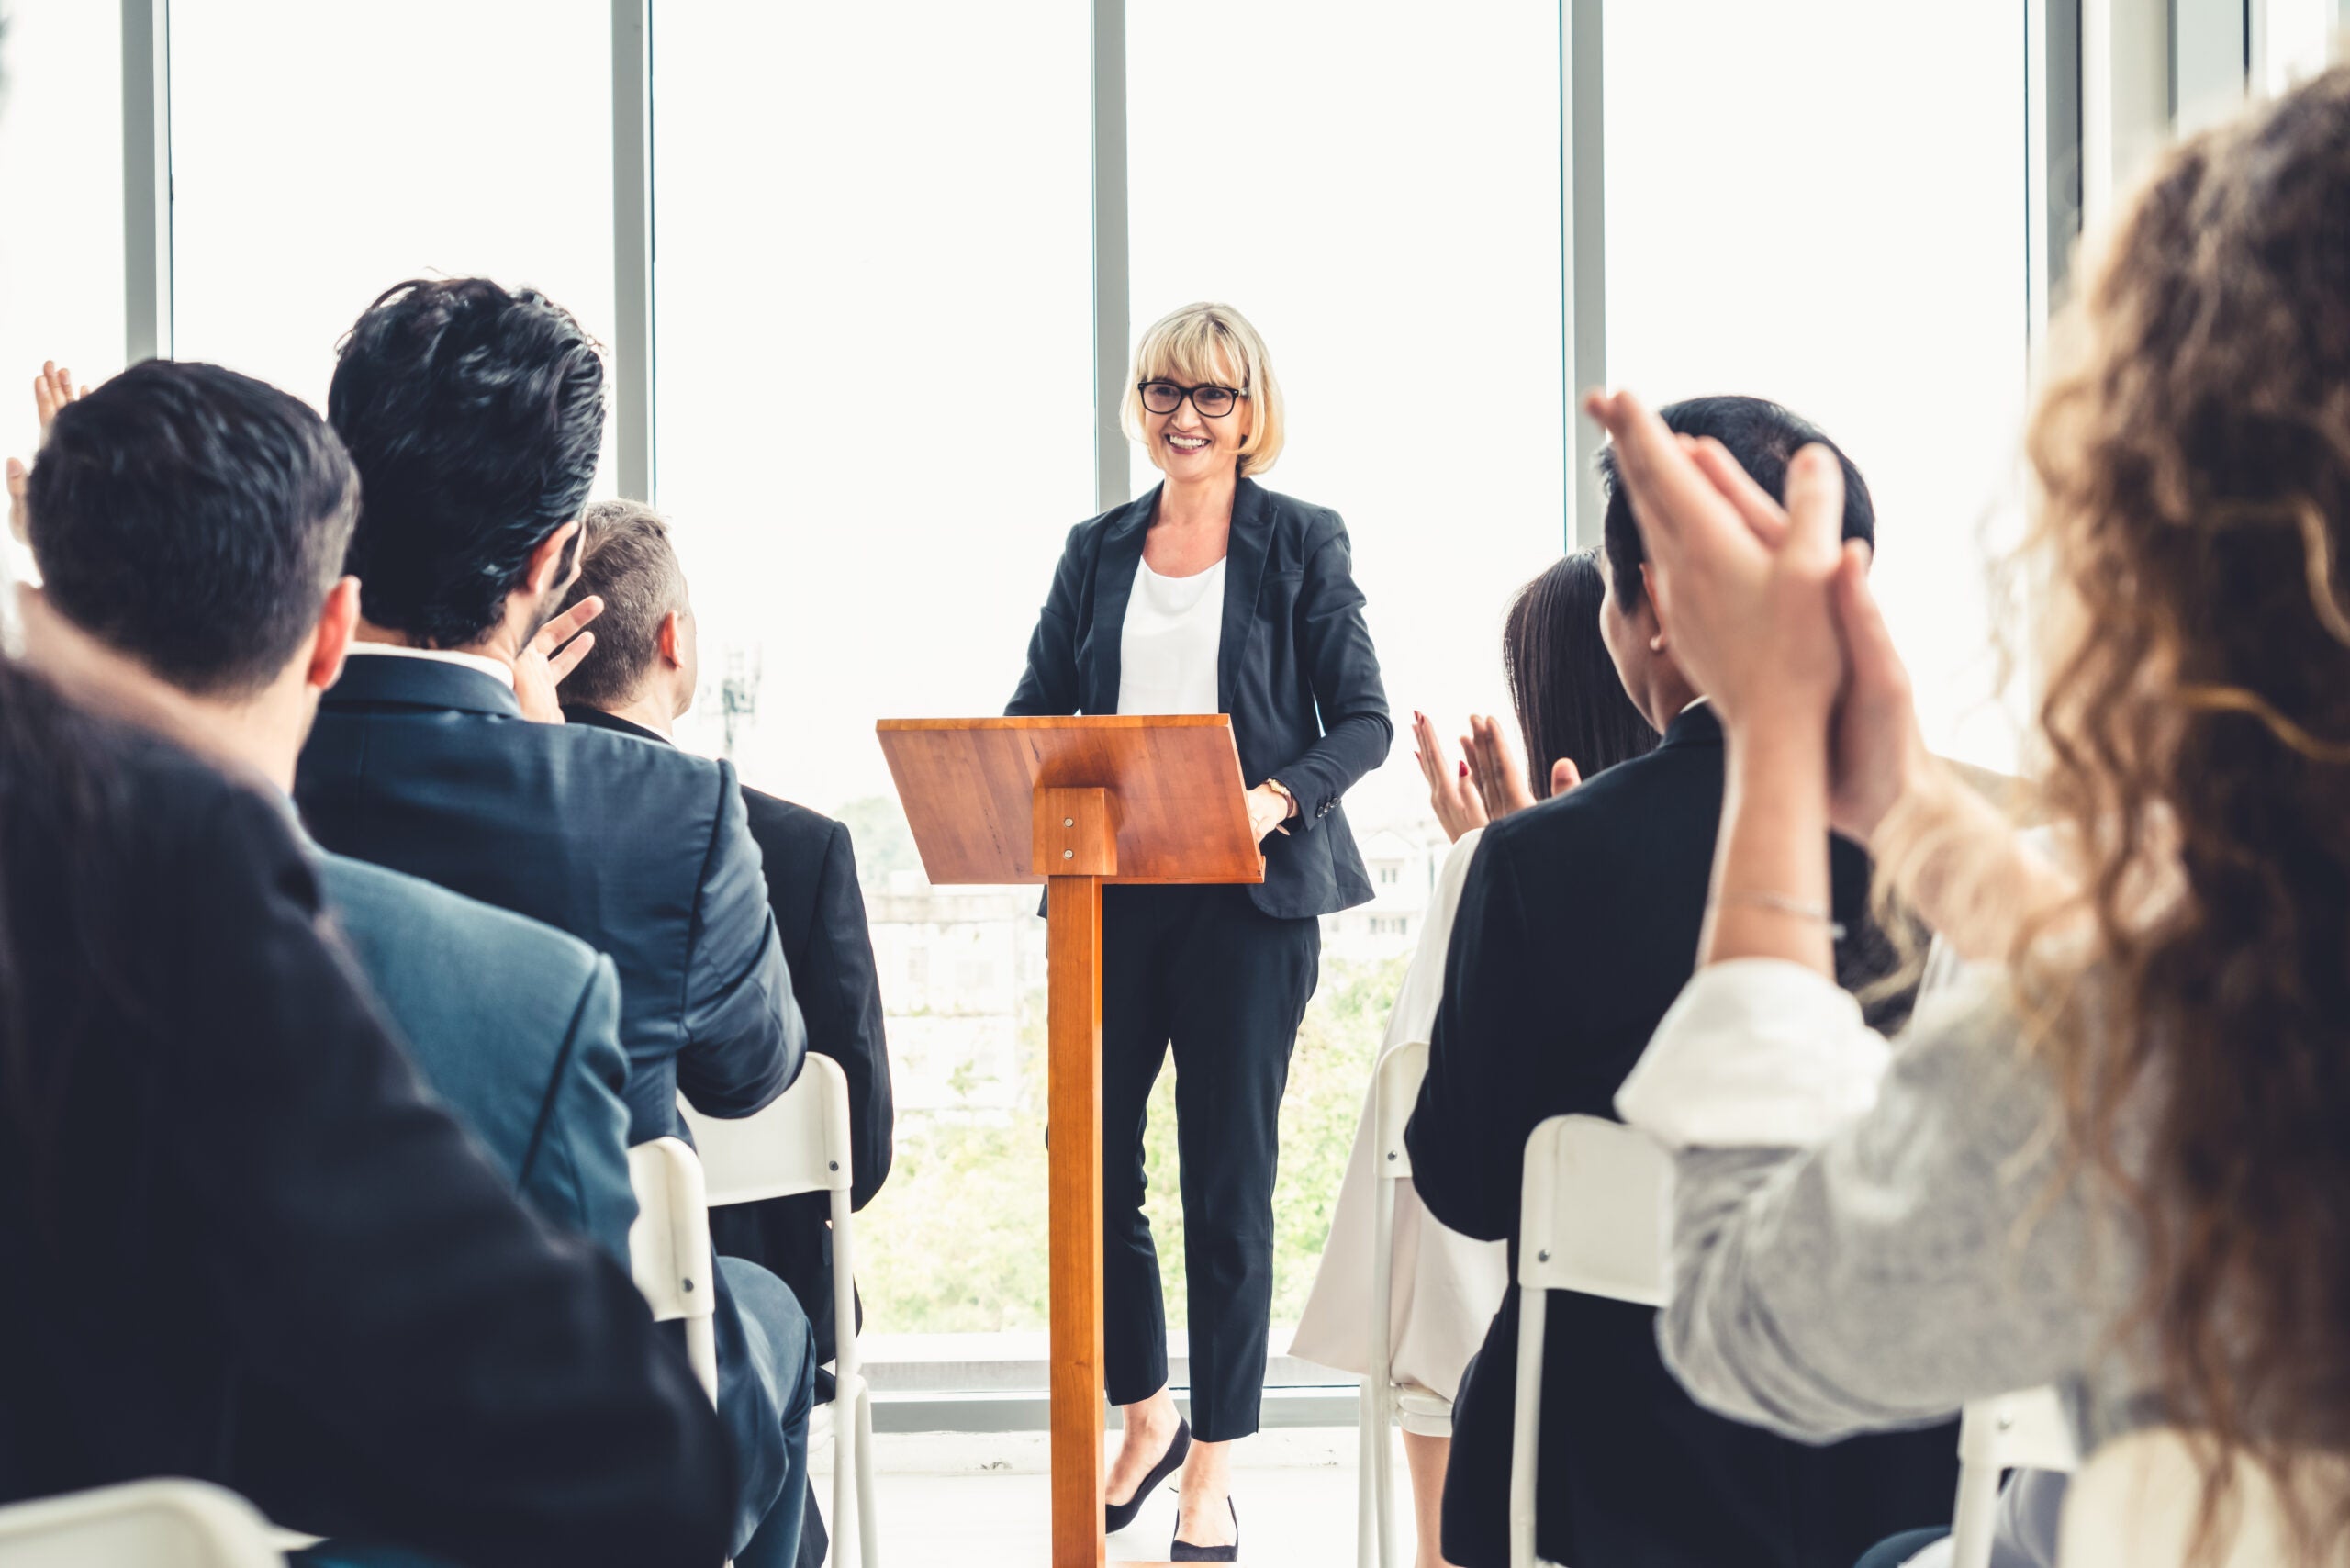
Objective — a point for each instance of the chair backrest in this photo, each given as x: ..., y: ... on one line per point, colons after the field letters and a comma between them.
x: 2011, y: 1431
x: 1596, y: 1212
x: 2135, y: 1503
x: 668, y: 1247
x: 166, y: 1523
x: 1395, y: 1088
x: 799, y: 1143
x: 2017, y: 1431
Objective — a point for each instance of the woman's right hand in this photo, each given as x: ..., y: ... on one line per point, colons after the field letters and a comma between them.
x: 1452, y: 794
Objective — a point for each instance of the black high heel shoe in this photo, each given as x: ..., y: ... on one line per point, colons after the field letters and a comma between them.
x: 1117, y: 1517
x: 1182, y: 1550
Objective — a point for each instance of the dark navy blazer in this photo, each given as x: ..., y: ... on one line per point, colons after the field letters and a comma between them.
x: 515, y: 1025
x: 811, y: 869
x: 642, y: 851
x: 1295, y: 669
x: 1577, y: 928
x: 278, y: 1262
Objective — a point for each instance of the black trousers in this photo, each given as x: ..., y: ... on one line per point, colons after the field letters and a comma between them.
x: 1203, y: 969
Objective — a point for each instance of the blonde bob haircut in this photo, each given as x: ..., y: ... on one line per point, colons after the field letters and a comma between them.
x: 1203, y: 344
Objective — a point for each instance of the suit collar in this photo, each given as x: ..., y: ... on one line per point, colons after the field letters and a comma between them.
x: 420, y: 683
x: 1244, y: 573
x: 1243, y: 553
x: 596, y: 719
x: 1697, y: 724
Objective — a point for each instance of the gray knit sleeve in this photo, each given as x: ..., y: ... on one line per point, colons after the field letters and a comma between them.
x: 1923, y: 1255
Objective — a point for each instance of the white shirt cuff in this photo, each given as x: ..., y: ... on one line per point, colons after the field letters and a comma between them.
x: 1756, y: 1053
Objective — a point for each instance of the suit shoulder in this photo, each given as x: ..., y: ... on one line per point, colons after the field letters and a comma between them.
x: 1314, y: 525
x: 394, y: 917
x: 787, y: 821
x: 1595, y: 816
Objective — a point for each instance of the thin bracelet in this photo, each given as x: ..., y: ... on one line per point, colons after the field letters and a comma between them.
x: 1798, y: 907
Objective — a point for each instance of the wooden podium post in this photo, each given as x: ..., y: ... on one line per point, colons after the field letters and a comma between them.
x: 1075, y: 802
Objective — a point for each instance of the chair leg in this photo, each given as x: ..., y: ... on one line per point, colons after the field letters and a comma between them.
x: 848, y: 1520
x: 868, y: 1523
x: 1367, y: 1502
x: 1525, y: 1424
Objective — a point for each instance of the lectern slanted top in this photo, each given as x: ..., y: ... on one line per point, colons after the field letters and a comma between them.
x: 968, y: 786
x: 1074, y: 803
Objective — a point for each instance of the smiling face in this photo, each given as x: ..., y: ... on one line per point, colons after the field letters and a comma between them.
x: 1190, y: 446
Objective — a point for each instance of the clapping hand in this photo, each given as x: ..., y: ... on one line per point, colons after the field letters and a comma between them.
x: 1494, y: 769
x: 53, y: 389
x: 1453, y: 796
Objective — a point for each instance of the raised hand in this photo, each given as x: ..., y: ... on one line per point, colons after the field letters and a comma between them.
x: 53, y: 389
x: 1452, y: 795
x: 1493, y: 769
x: 555, y: 652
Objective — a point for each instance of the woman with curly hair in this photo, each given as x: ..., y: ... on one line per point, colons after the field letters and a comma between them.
x: 2117, y: 1162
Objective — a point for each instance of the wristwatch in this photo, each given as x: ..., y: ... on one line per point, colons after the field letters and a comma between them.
x: 1277, y: 784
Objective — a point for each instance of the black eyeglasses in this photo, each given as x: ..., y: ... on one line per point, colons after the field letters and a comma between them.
x: 1165, y: 398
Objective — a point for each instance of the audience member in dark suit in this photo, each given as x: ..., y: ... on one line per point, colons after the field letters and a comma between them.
x: 638, y: 680
x: 210, y: 571
x: 246, y: 1245
x: 475, y: 418
x: 1577, y: 929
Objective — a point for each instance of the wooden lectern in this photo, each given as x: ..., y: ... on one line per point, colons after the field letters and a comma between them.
x: 1075, y: 802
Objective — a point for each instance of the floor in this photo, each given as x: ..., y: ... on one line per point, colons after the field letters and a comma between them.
x: 979, y: 1500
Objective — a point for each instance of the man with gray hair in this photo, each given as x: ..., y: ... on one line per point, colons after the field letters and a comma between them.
x: 639, y: 680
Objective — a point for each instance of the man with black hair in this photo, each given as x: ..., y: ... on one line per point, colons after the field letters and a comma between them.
x: 476, y: 418
x: 190, y: 524
x: 1577, y: 930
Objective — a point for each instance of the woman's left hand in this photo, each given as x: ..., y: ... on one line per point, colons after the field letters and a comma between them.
x: 1741, y: 583
x: 1268, y: 809
x: 1501, y: 782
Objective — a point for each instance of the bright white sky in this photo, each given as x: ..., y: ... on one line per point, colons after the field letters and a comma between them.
x: 874, y: 299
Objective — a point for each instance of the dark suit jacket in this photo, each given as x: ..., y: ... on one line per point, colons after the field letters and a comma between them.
x: 1576, y: 931
x: 1295, y: 670
x: 811, y: 870
x: 516, y: 1026
x: 279, y: 1263
x: 642, y: 851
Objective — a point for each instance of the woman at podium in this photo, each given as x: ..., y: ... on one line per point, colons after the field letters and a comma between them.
x: 1211, y: 594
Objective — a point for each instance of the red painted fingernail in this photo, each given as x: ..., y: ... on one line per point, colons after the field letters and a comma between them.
x: 1464, y: 770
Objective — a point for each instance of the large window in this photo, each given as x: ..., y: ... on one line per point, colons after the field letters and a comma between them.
x: 874, y: 305
x: 61, y: 186
x: 1378, y: 190
x: 322, y: 152
x: 1793, y: 212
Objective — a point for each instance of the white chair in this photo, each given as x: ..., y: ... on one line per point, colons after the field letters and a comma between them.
x: 166, y: 1523
x: 1594, y: 1215
x: 801, y: 1143
x: 668, y: 1249
x: 1395, y: 1089
x: 2027, y: 1431
x: 2135, y: 1503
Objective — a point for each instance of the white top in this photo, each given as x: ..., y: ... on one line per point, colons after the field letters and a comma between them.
x: 1166, y: 652
x: 1445, y: 1287
x: 488, y: 666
